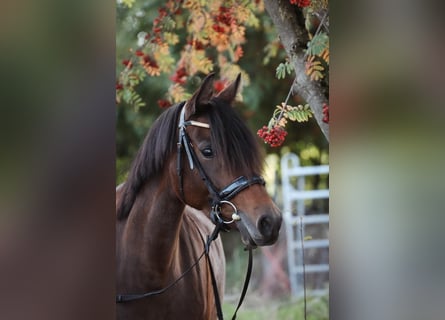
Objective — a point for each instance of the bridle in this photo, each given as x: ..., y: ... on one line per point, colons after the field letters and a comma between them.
x: 219, y: 198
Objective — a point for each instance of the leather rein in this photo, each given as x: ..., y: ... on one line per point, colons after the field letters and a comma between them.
x: 219, y: 198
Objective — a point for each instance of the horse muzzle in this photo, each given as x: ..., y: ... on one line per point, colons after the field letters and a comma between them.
x: 262, y: 233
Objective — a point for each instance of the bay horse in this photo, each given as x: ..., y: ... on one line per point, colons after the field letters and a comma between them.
x: 198, y: 161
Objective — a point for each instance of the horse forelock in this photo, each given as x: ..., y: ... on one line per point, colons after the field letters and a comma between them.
x: 235, y: 146
x: 158, y: 145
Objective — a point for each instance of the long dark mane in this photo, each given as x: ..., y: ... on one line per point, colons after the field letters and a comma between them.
x: 233, y: 143
x: 158, y: 145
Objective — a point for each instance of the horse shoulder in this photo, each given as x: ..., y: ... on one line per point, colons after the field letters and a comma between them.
x: 217, y: 257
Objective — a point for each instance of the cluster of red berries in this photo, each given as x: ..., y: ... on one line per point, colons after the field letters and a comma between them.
x: 218, y: 28
x: 224, y: 18
x: 149, y: 62
x: 127, y: 63
x: 218, y: 85
x: 275, y: 136
x: 164, y: 103
x: 157, y: 26
x: 180, y: 76
x: 325, y: 113
x: 301, y: 3
x: 198, y: 45
x: 156, y: 22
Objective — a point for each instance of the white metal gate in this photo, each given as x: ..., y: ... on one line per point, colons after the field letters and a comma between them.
x: 294, y: 213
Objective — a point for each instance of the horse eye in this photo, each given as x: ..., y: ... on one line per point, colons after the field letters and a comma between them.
x: 207, y: 152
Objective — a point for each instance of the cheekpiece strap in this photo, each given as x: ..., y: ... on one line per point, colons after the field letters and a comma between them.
x: 182, y: 139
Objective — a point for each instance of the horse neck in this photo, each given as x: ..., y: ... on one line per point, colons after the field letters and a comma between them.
x: 149, y: 236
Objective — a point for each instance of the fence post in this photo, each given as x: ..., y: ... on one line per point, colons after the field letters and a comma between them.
x: 294, y: 196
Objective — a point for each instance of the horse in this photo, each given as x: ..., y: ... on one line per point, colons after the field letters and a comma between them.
x: 198, y: 163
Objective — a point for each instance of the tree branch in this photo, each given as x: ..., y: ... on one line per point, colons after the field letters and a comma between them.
x: 289, y: 21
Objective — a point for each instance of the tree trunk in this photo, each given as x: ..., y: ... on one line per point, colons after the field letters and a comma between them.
x: 289, y: 21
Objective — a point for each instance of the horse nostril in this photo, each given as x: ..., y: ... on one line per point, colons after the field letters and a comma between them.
x: 265, y: 226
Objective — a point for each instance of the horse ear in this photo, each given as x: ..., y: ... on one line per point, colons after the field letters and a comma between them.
x: 229, y: 93
x: 201, y: 96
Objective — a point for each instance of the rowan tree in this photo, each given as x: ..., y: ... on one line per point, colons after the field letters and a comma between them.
x: 183, y: 40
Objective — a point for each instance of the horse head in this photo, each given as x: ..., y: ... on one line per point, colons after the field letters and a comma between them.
x: 218, y: 167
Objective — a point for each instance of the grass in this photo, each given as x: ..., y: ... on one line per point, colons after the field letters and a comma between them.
x: 255, y: 306
x: 285, y: 309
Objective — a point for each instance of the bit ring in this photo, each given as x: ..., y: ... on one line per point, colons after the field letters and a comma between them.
x: 235, y: 215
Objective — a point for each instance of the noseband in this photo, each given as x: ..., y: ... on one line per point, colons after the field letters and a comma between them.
x: 219, y: 198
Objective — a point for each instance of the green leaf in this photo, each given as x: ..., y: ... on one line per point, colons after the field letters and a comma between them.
x: 284, y: 68
x: 299, y: 116
x: 300, y: 113
x: 318, y: 44
x: 292, y: 115
x: 127, y: 96
x: 289, y: 67
x: 169, y: 23
x: 281, y: 71
x: 136, y: 101
x: 128, y: 3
